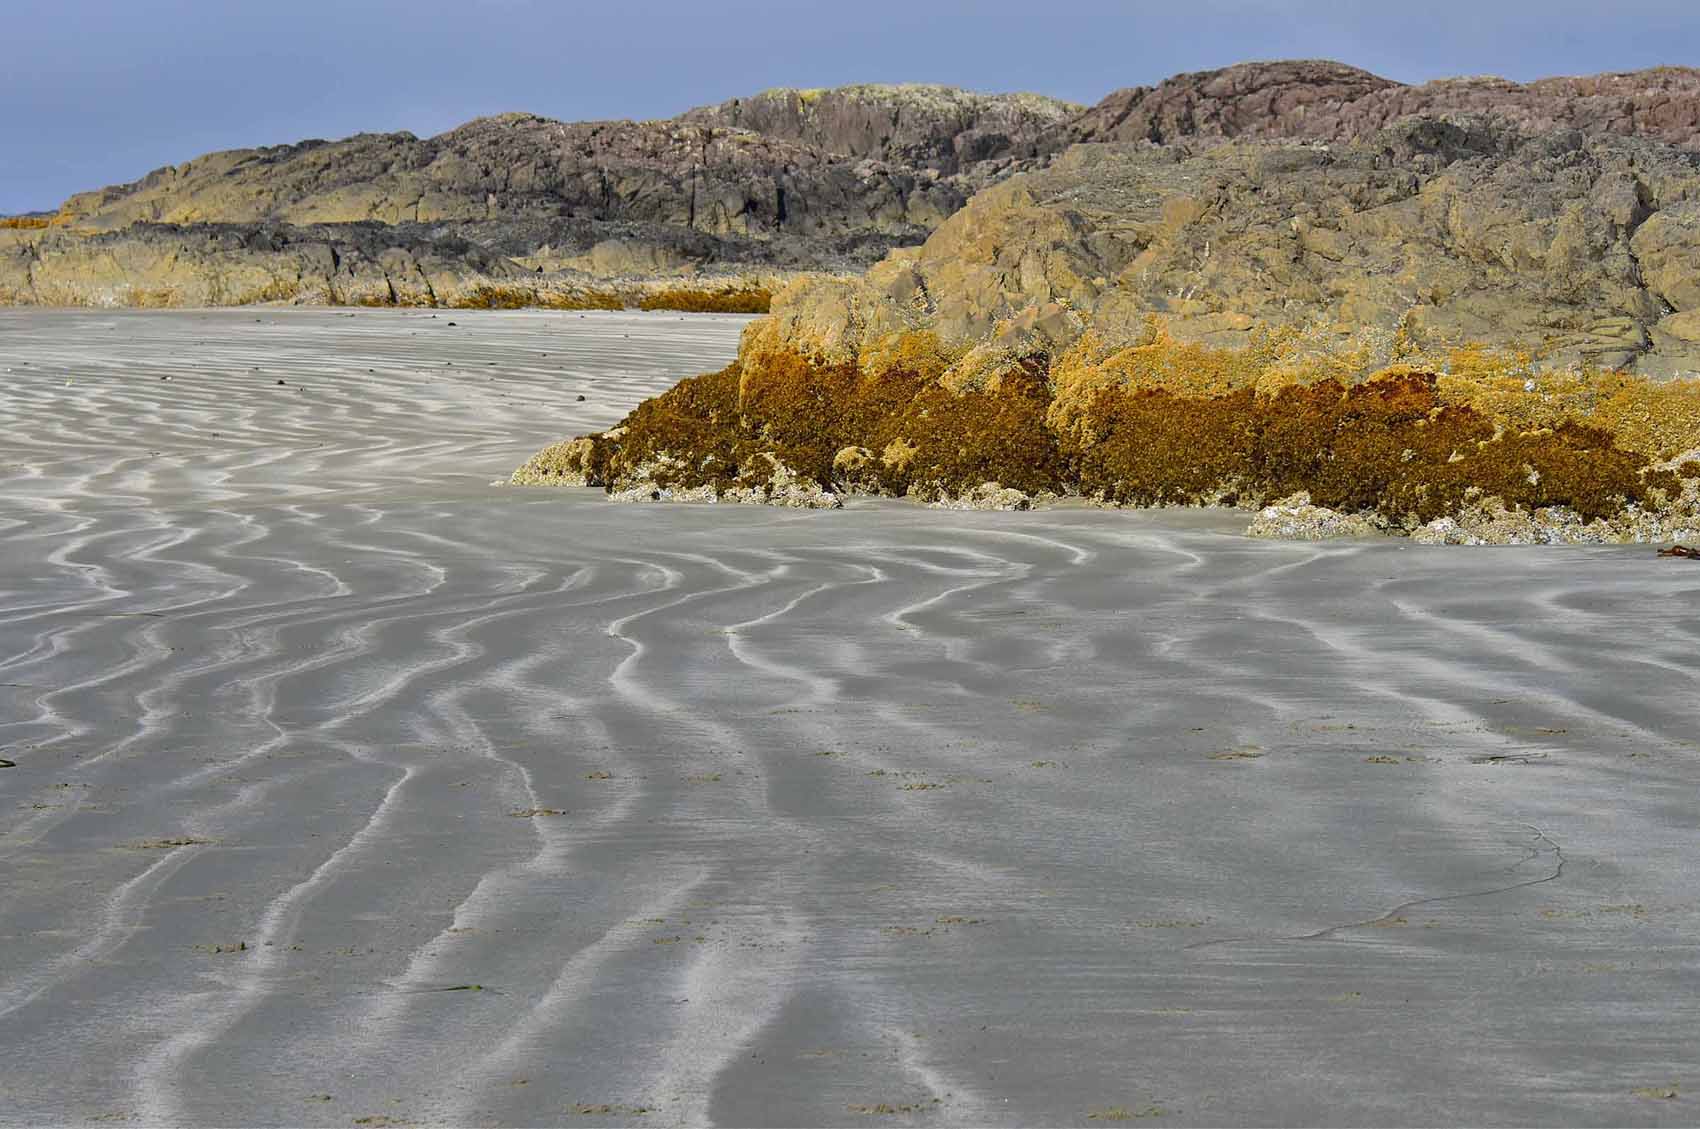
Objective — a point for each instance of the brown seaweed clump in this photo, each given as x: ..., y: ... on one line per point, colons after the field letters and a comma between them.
x: 841, y: 429
x: 736, y: 300
x: 525, y: 297
x: 1387, y: 446
x: 1404, y: 448
x: 743, y: 300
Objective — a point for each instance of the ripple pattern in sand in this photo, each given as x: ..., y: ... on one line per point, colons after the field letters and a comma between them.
x: 351, y: 786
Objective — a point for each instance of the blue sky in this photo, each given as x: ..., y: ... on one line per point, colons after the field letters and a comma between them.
x: 94, y: 92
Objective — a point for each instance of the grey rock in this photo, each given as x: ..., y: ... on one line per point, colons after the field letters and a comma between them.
x: 1583, y: 246
x: 832, y: 180
x: 922, y: 126
x: 1334, y: 102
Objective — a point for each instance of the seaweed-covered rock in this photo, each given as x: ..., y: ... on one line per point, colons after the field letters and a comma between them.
x: 1444, y: 314
x: 1398, y: 451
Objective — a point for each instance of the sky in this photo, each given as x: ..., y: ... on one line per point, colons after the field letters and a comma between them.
x: 97, y: 92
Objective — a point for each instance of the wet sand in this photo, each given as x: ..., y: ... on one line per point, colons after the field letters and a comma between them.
x: 353, y: 788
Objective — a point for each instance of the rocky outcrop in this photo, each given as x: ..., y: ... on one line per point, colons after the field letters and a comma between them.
x: 1280, y: 99
x: 518, y: 167
x: 1453, y: 325
x: 1402, y: 450
x: 941, y: 128
x: 1327, y: 101
x: 364, y: 264
x: 1473, y: 207
x: 522, y: 204
x: 1582, y: 248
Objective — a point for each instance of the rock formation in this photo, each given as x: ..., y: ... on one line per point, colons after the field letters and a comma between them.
x: 940, y: 128
x: 469, y: 211
x: 1466, y: 310
x: 743, y: 194
x: 1582, y: 247
x: 1451, y: 318
x: 1327, y: 101
x: 518, y: 167
x: 366, y: 264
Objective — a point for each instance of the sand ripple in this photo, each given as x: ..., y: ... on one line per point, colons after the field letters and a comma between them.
x: 350, y: 785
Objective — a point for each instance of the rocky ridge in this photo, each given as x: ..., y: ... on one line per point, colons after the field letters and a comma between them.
x: 373, y: 264
x: 519, y: 167
x: 941, y: 128
x: 1329, y: 101
x: 740, y: 195
x: 474, y: 209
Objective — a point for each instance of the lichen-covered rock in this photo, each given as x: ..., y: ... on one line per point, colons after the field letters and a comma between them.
x: 154, y: 265
x: 518, y: 167
x: 1576, y: 247
x: 485, y: 208
x: 1294, y: 518
x: 1447, y: 310
x: 827, y: 319
x: 560, y: 464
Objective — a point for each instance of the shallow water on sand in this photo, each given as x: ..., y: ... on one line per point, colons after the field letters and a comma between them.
x: 350, y: 785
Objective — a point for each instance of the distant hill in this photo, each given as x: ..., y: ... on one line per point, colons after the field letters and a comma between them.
x: 519, y: 208
x: 1330, y: 101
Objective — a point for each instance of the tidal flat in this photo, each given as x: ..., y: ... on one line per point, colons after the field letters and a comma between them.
x: 349, y: 786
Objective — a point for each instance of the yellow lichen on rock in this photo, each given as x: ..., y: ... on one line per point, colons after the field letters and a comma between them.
x: 826, y: 318
x: 984, y: 367
x: 561, y: 464
x: 1657, y: 418
x: 918, y: 351
x: 1158, y: 362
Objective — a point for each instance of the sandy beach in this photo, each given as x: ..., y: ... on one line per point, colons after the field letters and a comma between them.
x: 353, y: 787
